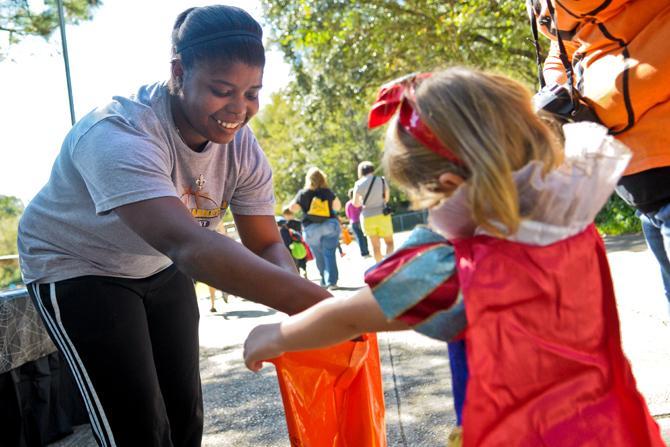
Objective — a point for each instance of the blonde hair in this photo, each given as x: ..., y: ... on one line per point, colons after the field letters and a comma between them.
x: 488, y: 122
x: 315, y: 179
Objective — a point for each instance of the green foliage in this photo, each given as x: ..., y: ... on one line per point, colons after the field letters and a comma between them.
x: 10, y: 276
x: 341, y: 51
x: 617, y: 217
x: 366, y: 42
x: 292, y: 146
x: 11, y: 209
x: 10, y: 206
x: 19, y: 20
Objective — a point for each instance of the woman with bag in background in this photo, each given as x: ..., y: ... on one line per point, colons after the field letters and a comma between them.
x: 372, y: 194
x: 353, y: 213
x: 319, y: 204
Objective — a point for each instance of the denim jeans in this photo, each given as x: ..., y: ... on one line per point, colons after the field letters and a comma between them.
x: 656, y: 227
x: 323, y: 239
x: 361, y: 238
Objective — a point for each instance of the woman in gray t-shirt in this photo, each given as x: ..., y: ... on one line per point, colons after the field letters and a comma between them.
x: 110, y: 246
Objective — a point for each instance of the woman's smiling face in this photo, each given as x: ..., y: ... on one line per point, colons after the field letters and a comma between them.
x: 215, y: 101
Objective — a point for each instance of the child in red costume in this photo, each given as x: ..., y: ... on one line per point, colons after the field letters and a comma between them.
x: 511, y: 229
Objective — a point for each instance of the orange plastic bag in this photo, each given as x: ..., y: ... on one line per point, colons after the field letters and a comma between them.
x: 347, y: 238
x: 333, y: 397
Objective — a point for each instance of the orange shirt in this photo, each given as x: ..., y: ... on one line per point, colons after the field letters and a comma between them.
x: 622, y: 66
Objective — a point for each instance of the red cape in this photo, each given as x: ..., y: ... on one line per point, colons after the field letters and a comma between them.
x: 544, y: 348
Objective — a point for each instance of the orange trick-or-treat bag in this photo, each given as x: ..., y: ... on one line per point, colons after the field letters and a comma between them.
x: 333, y: 397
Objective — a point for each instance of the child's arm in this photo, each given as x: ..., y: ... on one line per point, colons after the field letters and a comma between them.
x: 330, y: 321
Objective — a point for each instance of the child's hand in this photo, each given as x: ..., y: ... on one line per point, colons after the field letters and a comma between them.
x: 262, y: 343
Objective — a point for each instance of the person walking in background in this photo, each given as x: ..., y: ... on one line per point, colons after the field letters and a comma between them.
x: 290, y: 230
x: 111, y: 245
x: 212, y: 298
x: 353, y: 213
x: 321, y: 227
x: 220, y: 228
x: 371, y: 193
x: 291, y: 222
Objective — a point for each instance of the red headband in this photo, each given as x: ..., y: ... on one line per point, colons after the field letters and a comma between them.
x: 399, y: 94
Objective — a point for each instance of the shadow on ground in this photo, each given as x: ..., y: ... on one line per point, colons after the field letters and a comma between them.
x: 419, y: 407
x: 348, y: 289
x: 241, y: 408
x: 236, y: 314
x: 625, y: 242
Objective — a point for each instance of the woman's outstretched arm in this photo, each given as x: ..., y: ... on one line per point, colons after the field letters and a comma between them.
x: 331, y: 321
x: 166, y: 224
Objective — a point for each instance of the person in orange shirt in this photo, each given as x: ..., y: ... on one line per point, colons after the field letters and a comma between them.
x: 616, y: 49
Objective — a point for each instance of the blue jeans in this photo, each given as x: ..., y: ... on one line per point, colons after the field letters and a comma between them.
x: 656, y: 227
x: 323, y: 239
x: 360, y: 238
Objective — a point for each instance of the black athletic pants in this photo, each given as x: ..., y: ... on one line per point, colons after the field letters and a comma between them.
x: 132, y: 347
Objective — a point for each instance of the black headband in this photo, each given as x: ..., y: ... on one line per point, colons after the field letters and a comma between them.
x: 216, y: 36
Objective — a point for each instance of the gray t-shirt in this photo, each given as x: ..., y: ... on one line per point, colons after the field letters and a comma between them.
x: 125, y: 152
x: 375, y: 203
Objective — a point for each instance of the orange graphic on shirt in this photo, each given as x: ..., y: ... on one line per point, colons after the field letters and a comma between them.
x: 200, y: 204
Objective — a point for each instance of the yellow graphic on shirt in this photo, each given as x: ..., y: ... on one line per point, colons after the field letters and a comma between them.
x: 202, y: 207
x: 205, y: 214
x: 319, y: 207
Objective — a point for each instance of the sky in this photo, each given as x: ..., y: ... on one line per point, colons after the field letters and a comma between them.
x: 126, y: 45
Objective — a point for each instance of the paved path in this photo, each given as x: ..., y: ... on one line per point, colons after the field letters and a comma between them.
x: 244, y: 409
x: 644, y: 316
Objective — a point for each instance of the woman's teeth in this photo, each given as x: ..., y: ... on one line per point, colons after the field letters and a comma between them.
x: 228, y: 125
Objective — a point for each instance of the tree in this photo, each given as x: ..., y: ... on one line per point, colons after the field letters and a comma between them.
x: 292, y: 145
x: 341, y: 51
x: 280, y: 132
x: 11, y: 209
x: 18, y: 19
x: 10, y: 206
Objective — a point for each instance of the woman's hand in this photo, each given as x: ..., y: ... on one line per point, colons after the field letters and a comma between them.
x: 328, y: 322
x: 262, y: 343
